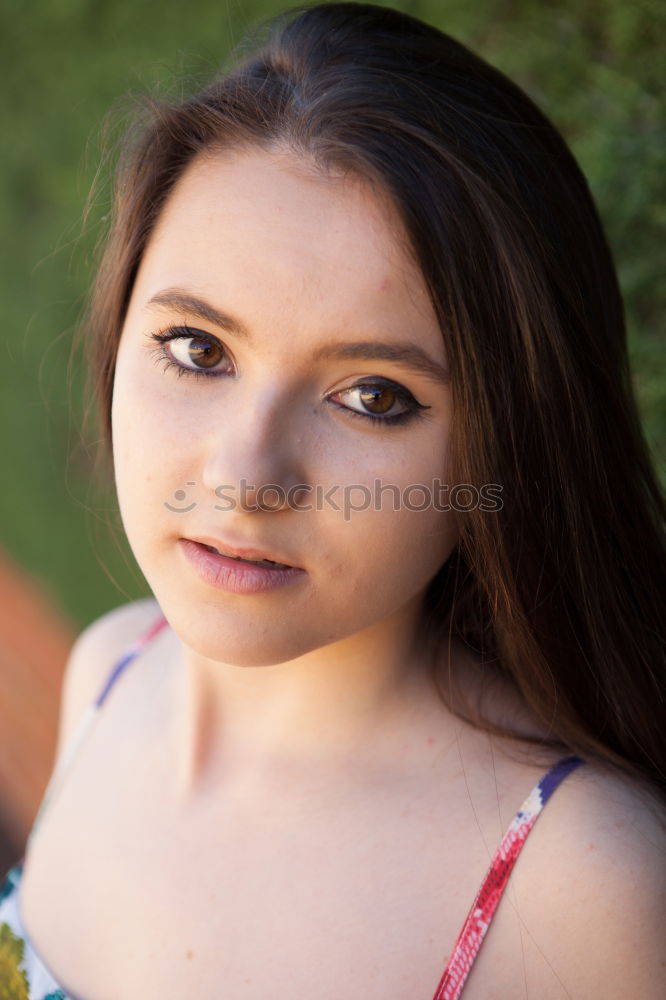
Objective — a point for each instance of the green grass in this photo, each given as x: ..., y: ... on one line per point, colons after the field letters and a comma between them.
x: 593, y: 68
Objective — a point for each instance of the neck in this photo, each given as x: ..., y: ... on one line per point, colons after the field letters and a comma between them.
x: 350, y: 703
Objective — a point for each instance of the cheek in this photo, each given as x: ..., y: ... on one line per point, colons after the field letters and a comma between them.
x: 390, y: 554
x: 391, y: 535
x: 149, y: 464
x: 150, y: 421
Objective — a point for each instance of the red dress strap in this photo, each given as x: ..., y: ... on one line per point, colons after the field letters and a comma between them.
x: 483, y: 908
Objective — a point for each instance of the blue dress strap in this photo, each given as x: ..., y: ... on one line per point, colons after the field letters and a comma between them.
x: 88, y: 718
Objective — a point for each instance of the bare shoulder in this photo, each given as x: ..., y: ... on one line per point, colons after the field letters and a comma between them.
x: 590, y: 887
x: 92, y: 656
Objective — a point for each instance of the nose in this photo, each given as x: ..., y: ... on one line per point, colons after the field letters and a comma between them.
x: 256, y: 462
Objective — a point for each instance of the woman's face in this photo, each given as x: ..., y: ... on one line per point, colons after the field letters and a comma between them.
x: 280, y: 384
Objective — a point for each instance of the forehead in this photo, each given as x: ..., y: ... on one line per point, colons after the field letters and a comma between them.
x: 254, y: 229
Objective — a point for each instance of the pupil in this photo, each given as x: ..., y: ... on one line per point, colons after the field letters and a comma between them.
x: 203, y: 354
x: 377, y: 400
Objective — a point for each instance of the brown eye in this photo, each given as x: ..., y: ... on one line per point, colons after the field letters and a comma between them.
x: 200, y: 352
x: 377, y: 399
x: 382, y: 401
x: 192, y: 351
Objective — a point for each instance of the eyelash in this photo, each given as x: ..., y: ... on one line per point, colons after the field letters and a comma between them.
x: 162, y: 337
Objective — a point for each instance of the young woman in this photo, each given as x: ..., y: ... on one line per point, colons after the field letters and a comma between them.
x: 359, y: 351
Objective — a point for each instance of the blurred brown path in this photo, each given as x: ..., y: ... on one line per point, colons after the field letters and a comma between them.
x: 34, y: 644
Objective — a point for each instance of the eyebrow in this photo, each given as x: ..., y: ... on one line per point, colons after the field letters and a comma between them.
x: 174, y: 298
x: 409, y: 355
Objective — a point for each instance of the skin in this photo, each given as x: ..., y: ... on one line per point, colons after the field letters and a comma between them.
x: 303, y: 261
x: 301, y: 813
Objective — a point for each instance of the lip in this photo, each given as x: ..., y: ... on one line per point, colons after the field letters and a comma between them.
x: 241, y: 552
x: 227, y: 574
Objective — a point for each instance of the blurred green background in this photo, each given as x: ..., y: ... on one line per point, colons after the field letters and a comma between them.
x: 593, y: 66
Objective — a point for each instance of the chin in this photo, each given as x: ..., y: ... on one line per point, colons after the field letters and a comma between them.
x: 217, y: 634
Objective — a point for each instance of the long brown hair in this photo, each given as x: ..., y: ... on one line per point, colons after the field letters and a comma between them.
x: 562, y: 590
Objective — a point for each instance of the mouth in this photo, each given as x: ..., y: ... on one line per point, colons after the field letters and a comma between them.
x: 240, y: 571
x: 266, y: 563
x: 263, y: 559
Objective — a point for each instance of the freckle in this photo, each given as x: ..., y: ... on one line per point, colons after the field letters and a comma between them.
x: 189, y: 954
